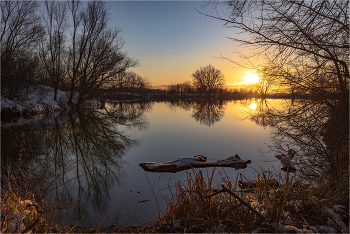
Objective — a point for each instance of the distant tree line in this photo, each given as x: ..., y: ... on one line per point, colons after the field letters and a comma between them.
x: 185, y: 87
x: 67, y: 45
x: 210, y: 80
x: 239, y: 91
x: 129, y: 80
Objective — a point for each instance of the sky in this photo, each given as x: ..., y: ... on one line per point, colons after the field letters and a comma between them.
x: 171, y: 40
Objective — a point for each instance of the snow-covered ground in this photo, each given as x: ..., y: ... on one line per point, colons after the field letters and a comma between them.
x: 39, y: 102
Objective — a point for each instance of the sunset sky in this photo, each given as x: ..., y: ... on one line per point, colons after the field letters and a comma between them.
x: 171, y: 39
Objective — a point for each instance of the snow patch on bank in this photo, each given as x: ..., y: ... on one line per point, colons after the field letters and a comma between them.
x: 40, y: 99
x: 37, y: 104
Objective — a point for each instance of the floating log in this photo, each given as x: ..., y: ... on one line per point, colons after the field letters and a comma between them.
x: 254, y: 183
x: 198, y: 161
x: 286, y: 160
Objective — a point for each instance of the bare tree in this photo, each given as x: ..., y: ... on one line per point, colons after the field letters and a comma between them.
x: 208, y: 78
x: 307, y: 42
x: 187, y: 87
x: 172, y: 88
x: 20, y: 30
x: 266, y: 80
x: 130, y: 80
x: 52, y: 49
x: 94, y: 54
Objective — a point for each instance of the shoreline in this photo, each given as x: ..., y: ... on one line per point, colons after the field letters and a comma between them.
x: 27, y: 216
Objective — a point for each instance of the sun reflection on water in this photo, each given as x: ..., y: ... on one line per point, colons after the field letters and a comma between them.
x: 252, y: 105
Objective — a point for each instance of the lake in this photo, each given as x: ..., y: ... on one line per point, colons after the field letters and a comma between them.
x: 92, y: 158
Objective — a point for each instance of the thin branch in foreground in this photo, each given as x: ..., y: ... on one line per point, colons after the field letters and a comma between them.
x: 224, y: 189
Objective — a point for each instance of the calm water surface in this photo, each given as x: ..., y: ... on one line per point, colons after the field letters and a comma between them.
x: 94, y: 159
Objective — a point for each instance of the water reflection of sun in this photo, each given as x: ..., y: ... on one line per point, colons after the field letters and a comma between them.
x: 252, y: 105
x: 251, y: 77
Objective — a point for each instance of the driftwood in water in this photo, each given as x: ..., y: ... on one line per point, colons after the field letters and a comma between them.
x: 254, y: 183
x: 286, y: 160
x: 197, y: 161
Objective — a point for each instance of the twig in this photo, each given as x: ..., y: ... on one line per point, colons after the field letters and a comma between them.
x: 153, y: 192
x: 224, y: 189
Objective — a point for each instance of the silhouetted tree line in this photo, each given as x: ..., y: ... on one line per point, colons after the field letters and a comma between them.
x: 225, y: 91
x: 185, y: 87
x: 210, y: 80
x: 246, y: 90
x: 67, y: 45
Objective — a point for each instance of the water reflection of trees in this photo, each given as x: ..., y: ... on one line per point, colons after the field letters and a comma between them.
x: 185, y: 105
x: 80, y: 158
x: 129, y: 114
x: 208, y: 112
x: 21, y: 156
x: 318, y: 131
x: 204, y: 112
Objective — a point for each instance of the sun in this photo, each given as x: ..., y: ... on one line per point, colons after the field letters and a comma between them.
x: 251, y: 77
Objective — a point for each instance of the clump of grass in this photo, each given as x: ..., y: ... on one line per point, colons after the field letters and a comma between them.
x: 198, y: 205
